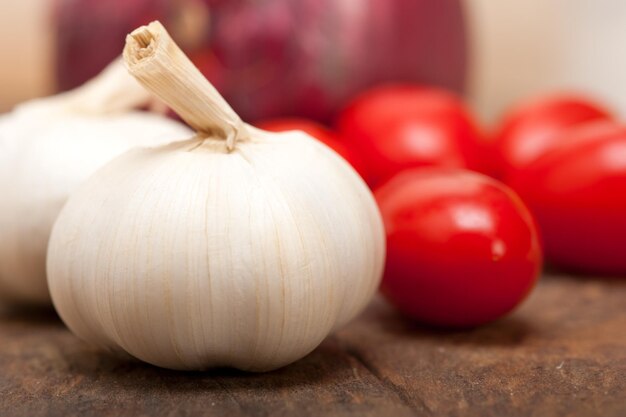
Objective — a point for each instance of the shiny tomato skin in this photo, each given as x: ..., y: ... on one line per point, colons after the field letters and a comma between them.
x: 535, y: 126
x: 577, y: 192
x: 319, y: 132
x: 400, y: 126
x: 462, y: 248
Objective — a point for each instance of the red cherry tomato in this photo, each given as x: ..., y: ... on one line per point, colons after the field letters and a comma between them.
x: 577, y: 192
x: 319, y: 132
x: 532, y: 128
x: 462, y: 249
x: 397, y: 127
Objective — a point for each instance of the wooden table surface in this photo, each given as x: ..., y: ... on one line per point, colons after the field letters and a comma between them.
x: 563, y: 353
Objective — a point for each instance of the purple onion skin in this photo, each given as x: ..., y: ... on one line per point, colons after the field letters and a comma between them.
x: 277, y: 58
x: 91, y: 33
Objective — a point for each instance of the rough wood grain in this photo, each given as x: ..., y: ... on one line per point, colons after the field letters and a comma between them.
x: 562, y: 354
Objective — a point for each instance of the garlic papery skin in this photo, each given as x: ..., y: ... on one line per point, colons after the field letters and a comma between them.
x: 47, y: 148
x: 238, y: 247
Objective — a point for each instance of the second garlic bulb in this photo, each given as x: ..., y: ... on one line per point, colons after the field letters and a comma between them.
x: 50, y: 146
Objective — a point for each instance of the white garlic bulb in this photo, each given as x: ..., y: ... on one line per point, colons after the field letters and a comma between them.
x: 238, y: 247
x: 47, y: 148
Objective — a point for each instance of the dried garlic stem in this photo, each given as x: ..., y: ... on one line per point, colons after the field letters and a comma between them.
x: 111, y: 91
x: 158, y: 63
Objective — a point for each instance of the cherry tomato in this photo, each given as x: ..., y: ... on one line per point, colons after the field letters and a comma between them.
x: 462, y: 248
x: 577, y: 192
x: 532, y: 128
x: 319, y: 132
x: 396, y: 127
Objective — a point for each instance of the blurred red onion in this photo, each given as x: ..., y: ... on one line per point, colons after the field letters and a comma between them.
x: 278, y: 57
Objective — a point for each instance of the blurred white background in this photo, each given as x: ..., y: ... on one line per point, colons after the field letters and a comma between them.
x: 526, y: 47
x: 518, y: 48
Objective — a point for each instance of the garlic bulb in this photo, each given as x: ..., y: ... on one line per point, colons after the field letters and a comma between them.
x: 238, y: 247
x: 47, y: 148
